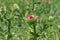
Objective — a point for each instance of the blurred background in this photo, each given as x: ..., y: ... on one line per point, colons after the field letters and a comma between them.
x: 13, y: 19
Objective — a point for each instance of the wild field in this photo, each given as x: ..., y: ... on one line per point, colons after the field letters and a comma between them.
x: 29, y: 19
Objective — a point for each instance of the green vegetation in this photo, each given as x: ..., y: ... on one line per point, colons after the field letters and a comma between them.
x: 15, y: 24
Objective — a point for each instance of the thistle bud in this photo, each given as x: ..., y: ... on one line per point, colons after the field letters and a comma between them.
x: 37, y: 19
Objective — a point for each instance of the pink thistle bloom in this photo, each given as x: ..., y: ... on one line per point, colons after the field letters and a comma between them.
x: 30, y: 17
x: 48, y: 1
x: 37, y: 19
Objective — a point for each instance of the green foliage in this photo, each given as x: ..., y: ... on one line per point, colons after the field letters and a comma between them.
x: 19, y: 29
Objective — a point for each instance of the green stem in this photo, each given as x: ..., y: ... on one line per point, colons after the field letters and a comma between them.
x: 33, y: 6
x: 35, y: 38
x: 9, y: 24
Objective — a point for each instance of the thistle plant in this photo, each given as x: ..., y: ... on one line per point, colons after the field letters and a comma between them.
x: 33, y: 20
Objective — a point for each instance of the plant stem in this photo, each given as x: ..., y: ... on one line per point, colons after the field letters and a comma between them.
x: 9, y: 24
x: 35, y: 38
x: 33, y: 6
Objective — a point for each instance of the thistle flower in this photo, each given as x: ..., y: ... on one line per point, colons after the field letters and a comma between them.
x: 48, y: 1
x: 33, y: 18
x: 30, y: 17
